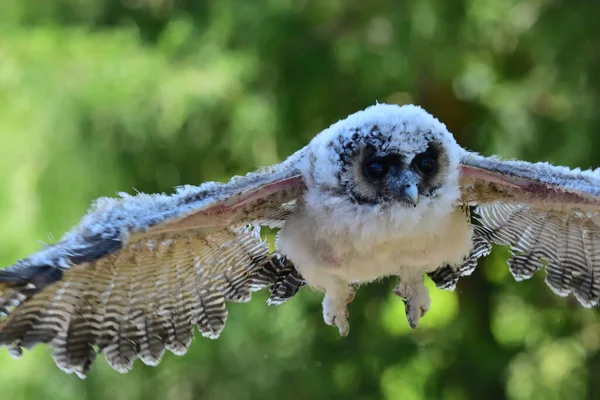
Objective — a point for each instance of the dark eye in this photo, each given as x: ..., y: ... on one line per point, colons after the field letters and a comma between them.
x: 425, y: 163
x: 376, y: 168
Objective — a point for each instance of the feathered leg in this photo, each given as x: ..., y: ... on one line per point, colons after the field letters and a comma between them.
x: 416, y: 297
x: 338, y: 295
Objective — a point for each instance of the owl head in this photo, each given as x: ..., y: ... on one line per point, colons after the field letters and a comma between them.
x: 399, y: 163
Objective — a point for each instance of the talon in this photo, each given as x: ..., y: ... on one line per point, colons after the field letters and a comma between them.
x: 342, y: 325
x: 416, y: 301
x: 413, y: 314
x: 335, y: 311
x: 340, y: 321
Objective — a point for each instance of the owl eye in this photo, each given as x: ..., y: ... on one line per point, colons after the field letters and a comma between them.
x: 425, y: 163
x: 377, y: 168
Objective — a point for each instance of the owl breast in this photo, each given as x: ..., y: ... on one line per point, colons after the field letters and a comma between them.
x: 356, y: 255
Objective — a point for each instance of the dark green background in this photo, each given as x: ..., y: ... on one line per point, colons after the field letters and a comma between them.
x: 103, y: 96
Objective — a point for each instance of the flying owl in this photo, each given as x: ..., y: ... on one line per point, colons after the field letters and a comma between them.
x: 385, y: 192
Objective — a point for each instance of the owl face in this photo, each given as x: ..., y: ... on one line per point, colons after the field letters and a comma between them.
x: 386, y: 155
x: 384, y: 175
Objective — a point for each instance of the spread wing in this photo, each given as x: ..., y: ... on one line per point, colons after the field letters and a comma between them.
x: 135, y: 276
x: 548, y: 215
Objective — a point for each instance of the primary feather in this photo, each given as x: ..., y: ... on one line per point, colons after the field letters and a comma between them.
x: 135, y: 276
x: 548, y: 216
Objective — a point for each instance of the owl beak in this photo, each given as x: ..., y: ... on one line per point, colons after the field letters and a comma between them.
x: 404, y: 187
x: 411, y: 194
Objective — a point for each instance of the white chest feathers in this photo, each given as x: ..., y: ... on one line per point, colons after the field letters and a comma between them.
x: 362, y: 243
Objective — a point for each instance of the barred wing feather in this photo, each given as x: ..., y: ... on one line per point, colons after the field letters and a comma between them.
x: 548, y: 215
x: 135, y: 276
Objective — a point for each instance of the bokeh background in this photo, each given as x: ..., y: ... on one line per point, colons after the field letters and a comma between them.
x: 103, y: 96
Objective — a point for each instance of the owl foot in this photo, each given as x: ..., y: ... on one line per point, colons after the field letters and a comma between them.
x: 416, y: 300
x: 335, y: 307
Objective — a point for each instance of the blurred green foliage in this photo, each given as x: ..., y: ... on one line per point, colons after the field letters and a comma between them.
x: 103, y: 96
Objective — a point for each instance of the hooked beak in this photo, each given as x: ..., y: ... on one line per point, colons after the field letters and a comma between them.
x: 411, y: 194
x: 404, y: 186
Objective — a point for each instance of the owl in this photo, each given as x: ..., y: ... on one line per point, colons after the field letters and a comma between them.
x: 386, y: 192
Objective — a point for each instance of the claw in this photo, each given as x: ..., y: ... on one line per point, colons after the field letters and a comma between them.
x: 414, y: 313
x: 416, y: 301
x: 335, y: 311
x: 340, y: 320
x: 342, y: 324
